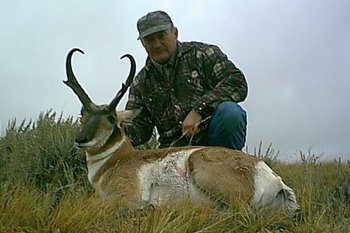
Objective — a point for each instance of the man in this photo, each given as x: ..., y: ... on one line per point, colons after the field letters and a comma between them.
x: 188, y: 90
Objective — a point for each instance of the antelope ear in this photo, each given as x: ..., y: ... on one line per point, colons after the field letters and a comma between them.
x: 125, y: 117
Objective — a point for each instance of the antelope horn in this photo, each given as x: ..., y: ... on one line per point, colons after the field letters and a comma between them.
x: 72, y: 82
x: 125, y: 86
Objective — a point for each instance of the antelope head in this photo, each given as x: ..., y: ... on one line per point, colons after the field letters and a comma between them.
x: 98, y: 122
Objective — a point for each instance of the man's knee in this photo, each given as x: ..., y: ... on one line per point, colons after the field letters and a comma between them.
x: 228, y: 126
x: 230, y: 112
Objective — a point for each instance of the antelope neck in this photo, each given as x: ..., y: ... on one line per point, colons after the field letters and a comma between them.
x: 97, y: 159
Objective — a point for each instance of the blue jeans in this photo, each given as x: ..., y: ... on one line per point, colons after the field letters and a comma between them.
x: 228, y: 126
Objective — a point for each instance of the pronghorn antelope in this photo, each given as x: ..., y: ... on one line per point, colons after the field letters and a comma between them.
x: 212, y: 175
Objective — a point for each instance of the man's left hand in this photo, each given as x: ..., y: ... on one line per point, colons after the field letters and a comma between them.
x: 190, y: 125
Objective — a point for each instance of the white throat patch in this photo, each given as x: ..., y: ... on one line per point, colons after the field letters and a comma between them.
x: 98, y: 160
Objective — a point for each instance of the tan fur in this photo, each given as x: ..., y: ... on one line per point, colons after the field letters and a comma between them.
x: 121, y: 183
x: 223, y: 173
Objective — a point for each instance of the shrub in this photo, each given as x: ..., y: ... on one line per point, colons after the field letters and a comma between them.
x: 42, y: 153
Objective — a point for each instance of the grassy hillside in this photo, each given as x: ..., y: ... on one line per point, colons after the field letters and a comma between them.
x: 44, y: 188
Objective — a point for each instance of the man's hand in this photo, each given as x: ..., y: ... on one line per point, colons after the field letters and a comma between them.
x: 190, y: 125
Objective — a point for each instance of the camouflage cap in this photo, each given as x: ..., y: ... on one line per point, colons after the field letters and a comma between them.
x: 155, y: 21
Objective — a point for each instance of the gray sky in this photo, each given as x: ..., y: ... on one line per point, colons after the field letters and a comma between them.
x: 295, y: 55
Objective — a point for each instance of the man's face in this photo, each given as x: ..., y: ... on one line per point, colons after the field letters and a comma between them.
x: 161, y: 45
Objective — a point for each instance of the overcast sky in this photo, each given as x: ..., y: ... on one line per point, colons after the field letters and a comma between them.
x: 295, y: 55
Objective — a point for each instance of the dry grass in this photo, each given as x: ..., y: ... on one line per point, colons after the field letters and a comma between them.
x: 28, y: 210
x: 44, y: 189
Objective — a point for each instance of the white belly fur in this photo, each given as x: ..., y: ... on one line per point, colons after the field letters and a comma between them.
x: 168, y: 178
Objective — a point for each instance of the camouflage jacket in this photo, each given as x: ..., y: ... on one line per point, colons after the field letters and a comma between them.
x: 199, y: 78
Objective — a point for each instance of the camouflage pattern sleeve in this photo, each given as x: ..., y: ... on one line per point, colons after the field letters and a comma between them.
x: 230, y: 83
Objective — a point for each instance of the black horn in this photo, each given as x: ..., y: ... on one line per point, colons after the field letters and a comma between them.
x: 73, y: 83
x: 128, y: 82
